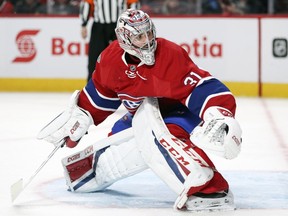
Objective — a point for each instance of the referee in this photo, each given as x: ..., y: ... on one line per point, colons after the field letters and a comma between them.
x: 105, y: 14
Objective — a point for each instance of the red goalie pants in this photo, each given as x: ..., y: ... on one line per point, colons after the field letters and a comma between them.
x: 217, y: 183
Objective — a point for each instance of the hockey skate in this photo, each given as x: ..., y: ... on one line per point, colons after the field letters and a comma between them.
x: 200, y: 202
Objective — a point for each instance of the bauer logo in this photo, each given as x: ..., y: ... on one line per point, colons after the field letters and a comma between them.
x: 26, y: 46
x: 280, y: 47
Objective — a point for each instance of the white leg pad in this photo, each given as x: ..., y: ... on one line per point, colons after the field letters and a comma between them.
x: 117, y: 162
x: 170, y: 165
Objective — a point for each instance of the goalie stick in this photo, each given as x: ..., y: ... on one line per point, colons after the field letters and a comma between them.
x: 18, y: 187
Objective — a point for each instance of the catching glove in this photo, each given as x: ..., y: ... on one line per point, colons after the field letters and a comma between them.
x: 70, y: 125
x: 220, y: 133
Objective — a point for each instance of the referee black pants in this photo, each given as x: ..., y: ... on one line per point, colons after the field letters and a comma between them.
x: 101, y: 36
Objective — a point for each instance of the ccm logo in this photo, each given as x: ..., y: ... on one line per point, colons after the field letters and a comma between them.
x: 74, y: 157
x: 74, y: 128
x: 170, y: 144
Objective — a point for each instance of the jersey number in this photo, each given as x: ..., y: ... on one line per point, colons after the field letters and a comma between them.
x: 192, y: 79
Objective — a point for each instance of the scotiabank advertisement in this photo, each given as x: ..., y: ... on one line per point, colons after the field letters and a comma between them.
x: 42, y: 47
x: 53, y: 48
x: 219, y: 45
x: 236, y: 50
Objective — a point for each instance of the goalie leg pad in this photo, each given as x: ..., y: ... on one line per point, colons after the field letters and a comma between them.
x: 118, y: 162
x: 79, y: 168
x: 89, y: 171
x: 170, y: 158
x: 185, y: 168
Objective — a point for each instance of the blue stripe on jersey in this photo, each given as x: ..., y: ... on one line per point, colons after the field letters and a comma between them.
x: 182, y: 117
x: 99, y: 100
x: 201, y: 92
x: 169, y: 160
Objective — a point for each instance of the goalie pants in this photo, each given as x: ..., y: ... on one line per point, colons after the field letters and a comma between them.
x: 179, y: 125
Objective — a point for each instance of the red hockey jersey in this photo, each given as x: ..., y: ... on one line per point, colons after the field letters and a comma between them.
x: 174, y: 78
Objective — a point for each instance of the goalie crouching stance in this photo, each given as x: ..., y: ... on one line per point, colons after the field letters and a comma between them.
x: 176, y: 112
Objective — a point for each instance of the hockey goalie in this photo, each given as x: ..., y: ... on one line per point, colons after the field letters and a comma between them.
x: 176, y: 114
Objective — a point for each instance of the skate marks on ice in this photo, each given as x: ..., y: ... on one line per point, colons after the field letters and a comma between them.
x: 252, y: 190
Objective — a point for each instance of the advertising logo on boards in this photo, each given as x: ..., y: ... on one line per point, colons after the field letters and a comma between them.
x: 199, y: 47
x: 280, y: 47
x: 26, y: 46
x: 58, y: 46
x: 202, y: 48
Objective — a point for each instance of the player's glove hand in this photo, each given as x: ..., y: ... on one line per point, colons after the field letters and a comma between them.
x: 220, y: 133
x: 70, y: 125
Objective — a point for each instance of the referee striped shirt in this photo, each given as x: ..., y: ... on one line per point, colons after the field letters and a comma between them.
x: 105, y: 11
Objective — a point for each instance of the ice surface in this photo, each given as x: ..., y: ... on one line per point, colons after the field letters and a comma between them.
x: 258, y: 177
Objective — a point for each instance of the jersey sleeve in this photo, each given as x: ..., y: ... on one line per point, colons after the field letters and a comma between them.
x: 98, y: 99
x: 210, y: 92
x: 202, y: 90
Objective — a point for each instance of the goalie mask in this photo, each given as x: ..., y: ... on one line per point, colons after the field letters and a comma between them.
x: 136, y: 35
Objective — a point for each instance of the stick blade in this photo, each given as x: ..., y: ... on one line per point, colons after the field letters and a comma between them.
x: 16, y: 189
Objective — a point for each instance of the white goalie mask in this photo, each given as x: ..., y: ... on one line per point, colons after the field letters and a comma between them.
x: 136, y: 35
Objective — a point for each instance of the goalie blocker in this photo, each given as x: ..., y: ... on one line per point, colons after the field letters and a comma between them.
x: 184, y: 167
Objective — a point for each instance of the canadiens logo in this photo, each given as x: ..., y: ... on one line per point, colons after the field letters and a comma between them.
x: 26, y: 46
x: 131, y: 103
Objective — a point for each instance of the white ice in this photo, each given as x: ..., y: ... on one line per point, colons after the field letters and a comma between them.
x: 258, y: 177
